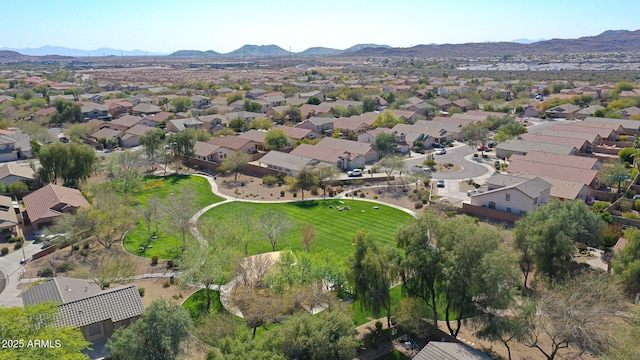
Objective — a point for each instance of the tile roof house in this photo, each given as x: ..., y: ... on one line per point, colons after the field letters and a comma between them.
x: 129, y: 121
x: 630, y: 112
x: 235, y: 143
x: 519, y: 197
x: 8, y: 218
x: 522, y: 147
x: 581, y: 144
x: 44, y: 205
x: 588, y: 111
x: 287, y: 164
x: 131, y: 137
x: 339, y: 158
x: 570, y: 161
x: 564, y: 111
x: 84, y: 305
x: 354, y: 147
x: 583, y: 176
x: 449, y: 351
x: 12, y: 172
x: 370, y: 137
x: 209, y: 152
x: 630, y: 127
x: 592, y: 139
x: 145, y: 109
x: 320, y: 125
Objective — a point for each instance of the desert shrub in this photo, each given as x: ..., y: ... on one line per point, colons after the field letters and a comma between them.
x: 362, y: 195
x: 106, y: 284
x: 166, y: 284
x: 141, y: 291
x: 154, y: 260
x: 269, y: 180
x: 281, y: 193
x: 65, y: 266
x: 314, y: 190
x: 339, y: 189
x: 625, y: 205
x: 76, y: 247
x: 17, y: 245
x: 85, y: 245
x: 425, y: 200
x: 4, y: 251
x: 418, y: 204
x: 45, y: 271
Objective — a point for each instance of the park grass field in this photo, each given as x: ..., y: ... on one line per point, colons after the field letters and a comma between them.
x: 165, y: 189
x: 334, y: 229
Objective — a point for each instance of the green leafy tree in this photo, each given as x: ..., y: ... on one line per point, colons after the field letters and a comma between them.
x: 291, y: 114
x: 475, y: 134
x: 545, y: 237
x: 615, y: 175
x: 314, y: 100
x: 373, y: 272
x: 234, y: 163
x: 627, y: 155
x: 39, y: 322
x: 369, y: 104
x: 183, y: 143
x: 305, y: 180
x: 238, y: 124
x: 234, y: 97
x: 152, y: 142
x: 251, y: 106
x: 17, y: 188
x: 386, y: 143
x: 124, y: 169
x: 66, y: 112
x: 261, y: 124
x: 391, y: 164
x: 72, y: 163
x: 181, y: 103
x: 626, y: 263
x: 387, y: 119
x: 276, y: 139
x: 158, y: 335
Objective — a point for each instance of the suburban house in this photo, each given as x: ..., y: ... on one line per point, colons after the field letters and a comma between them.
x: 255, y: 93
x: 582, y: 145
x: 370, y: 138
x: 235, y: 144
x: 107, y: 133
x: 296, y: 134
x: 244, y: 115
x: 95, y: 111
x: 512, y: 147
x: 339, y: 158
x: 564, y: 111
x: 145, y: 109
x: 569, y: 161
x: 442, y: 104
x: 582, y: 176
x: 53, y: 98
x: 354, y: 147
x: 118, y: 107
x: 8, y: 218
x: 350, y: 125
x: 517, y: 196
x: 131, y: 137
x: 44, y: 205
x: 630, y: 127
x: 604, y: 133
x: 287, y: 164
x: 630, y: 112
x: 591, y: 138
x: 178, y: 125
x: 128, y: 121
x: 463, y: 105
x: 8, y: 149
x: 320, y: 125
x: 200, y: 102
x: 12, y: 172
x: 414, y: 134
x: 308, y: 95
x: 588, y: 111
x: 435, y: 350
x: 84, y: 305
x: 209, y: 152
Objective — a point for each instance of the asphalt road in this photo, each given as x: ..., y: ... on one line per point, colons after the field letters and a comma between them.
x: 455, y: 155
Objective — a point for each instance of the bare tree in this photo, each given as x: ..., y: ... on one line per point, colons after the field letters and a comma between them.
x: 110, y: 219
x: 151, y: 214
x: 391, y: 164
x: 308, y: 236
x: 575, y: 317
x: 113, y: 268
x: 254, y: 269
x: 179, y: 212
x: 274, y: 224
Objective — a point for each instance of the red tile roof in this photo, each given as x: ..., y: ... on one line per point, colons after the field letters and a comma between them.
x: 51, y: 201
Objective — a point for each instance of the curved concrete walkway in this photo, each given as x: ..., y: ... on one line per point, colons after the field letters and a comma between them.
x: 225, y: 290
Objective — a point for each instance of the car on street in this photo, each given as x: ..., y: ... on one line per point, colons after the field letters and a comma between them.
x: 472, y: 192
x: 441, y: 151
x: 438, y: 145
x: 354, y: 173
x: 483, y: 148
x: 440, y: 183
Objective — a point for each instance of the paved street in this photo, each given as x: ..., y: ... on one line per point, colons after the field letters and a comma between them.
x: 10, y: 270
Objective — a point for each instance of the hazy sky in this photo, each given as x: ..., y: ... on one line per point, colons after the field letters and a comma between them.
x: 225, y: 25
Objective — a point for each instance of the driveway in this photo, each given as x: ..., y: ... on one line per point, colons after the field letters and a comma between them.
x: 10, y: 270
x: 456, y: 155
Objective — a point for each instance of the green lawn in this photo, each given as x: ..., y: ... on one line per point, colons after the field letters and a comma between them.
x: 196, y: 304
x: 334, y: 229
x: 166, y: 245
x: 361, y: 316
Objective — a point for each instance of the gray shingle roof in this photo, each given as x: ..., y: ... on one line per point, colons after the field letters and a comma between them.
x: 534, y: 187
x: 60, y: 290
x: 449, y: 351
x: 116, y: 305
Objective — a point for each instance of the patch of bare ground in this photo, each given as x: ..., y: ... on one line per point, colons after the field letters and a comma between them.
x: 162, y: 288
x: 251, y: 188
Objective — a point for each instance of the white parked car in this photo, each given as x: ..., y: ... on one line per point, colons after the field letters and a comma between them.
x: 441, y: 151
x: 354, y: 173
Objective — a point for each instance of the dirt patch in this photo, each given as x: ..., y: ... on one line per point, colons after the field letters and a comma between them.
x: 447, y: 167
x: 154, y: 288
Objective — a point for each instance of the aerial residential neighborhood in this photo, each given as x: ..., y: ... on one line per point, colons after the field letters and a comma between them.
x: 469, y: 200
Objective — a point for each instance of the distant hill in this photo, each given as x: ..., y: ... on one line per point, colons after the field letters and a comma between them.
x: 525, y: 41
x: 607, y: 42
x: 194, y: 53
x: 358, y: 47
x: 259, y: 51
x: 320, y: 51
x: 63, y: 51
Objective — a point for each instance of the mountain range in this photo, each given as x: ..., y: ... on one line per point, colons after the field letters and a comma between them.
x: 607, y: 42
x: 64, y: 51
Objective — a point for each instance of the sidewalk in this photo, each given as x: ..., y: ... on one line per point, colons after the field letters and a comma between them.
x: 11, y: 269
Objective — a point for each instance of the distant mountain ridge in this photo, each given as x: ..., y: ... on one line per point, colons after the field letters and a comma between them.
x: 64, y: 51
x: 275, y: 51
x: 607, y: 42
